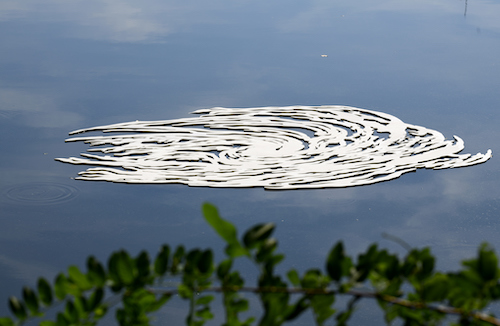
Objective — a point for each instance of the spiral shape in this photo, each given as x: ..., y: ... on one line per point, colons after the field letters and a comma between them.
x: 291, y: 147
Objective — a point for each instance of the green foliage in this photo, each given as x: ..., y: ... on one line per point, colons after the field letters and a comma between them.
x: 225, y: 229
x: 406, y: 289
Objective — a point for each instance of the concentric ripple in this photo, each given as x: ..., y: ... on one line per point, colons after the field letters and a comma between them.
x: 43, y: 193
x: 272, y: 147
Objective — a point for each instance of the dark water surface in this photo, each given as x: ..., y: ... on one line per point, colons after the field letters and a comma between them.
x: 66, y: 66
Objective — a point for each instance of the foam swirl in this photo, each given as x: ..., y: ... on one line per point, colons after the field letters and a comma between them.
x: 272, y: 147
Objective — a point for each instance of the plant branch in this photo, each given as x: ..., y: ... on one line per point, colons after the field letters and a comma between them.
x: 362, y: 294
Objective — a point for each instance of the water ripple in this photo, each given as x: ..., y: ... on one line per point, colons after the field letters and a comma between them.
x: 43, y: 193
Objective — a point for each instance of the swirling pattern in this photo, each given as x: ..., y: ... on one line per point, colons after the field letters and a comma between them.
x: 272, y: 147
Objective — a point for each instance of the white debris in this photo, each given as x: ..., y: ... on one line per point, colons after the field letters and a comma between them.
x: 272, y: 147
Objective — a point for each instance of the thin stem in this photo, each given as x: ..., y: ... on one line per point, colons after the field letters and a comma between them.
x: 190, y: 317
x: 361, y: 294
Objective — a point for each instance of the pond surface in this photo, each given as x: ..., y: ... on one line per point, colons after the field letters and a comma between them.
x: 67, y: 66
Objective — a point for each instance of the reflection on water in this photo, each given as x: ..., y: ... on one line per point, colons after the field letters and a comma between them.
x: 7, y: 114
x: 264, y: 147
x: 73, y: 64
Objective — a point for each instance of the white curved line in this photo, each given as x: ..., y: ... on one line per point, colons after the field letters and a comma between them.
x: 291, y: 147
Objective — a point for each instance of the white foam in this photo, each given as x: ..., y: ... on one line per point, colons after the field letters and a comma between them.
x: 291, y: 147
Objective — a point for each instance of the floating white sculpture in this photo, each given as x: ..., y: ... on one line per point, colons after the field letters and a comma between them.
x: 291, y: 147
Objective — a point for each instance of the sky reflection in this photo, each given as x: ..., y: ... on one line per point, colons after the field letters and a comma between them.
x: 72, y: 65
x: 154, y: 20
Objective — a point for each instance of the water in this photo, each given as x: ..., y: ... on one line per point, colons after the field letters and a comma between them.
x: 70, y: 66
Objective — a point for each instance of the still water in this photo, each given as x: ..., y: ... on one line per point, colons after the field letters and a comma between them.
x: 67, y: 66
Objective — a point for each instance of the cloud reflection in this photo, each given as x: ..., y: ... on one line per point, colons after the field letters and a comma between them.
x: 115, y: 20
x: 151, y: 21
x: 35, y: 109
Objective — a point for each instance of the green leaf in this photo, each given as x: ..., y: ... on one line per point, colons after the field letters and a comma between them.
x: 48, y: 323
x: 17, y: 308
x: 389, y: 266
x: 257, y: 234
x: 266, y: 250
x: 96, y: 273
x: 366, y: 262
x: 204, y: 300
x: 297, y: 309
x: 224, y: 268
x: 321, y: 305
x: 113, y: 268
x: 121, y: 267
x: 436, y: 288
x: 6, y: 321
x: 144, y: 298
x: 205, y: 261
x: 161, y: 262
x: 30, y: 300
x: 78, y: 278
x: 177, y: 259
x: 225, y: 229
x: 60, y: 286
x: 192, y: 258
x: 125, y: 267
x: 234, y: 279
x: 204, y: 314
x: 184, y: 291
x: 240, y: 305
x: 428, y: 262
x: 487, y: 264
x: 294, y: 278
x: 71, y: 312
x: 62, y: 320
x: 495, y: 291
x: 159, y: 303
x: 82, y: 305
x: 419, y: 264
x: 142, y: 263
x: 313, y: 278
x: 334, y: 262
x: 95, y: 299
x: 236, y: 250
x: 44, y: 291
x: 276, y: 259
x: 100, y: 312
